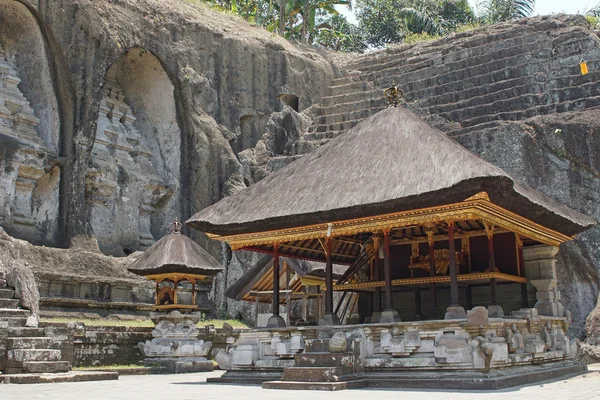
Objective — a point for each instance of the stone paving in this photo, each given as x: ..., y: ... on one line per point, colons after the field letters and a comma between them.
x: 194, y: 386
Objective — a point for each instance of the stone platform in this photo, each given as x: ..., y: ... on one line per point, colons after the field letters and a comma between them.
x: 478, y: 352
x: 443, y: 380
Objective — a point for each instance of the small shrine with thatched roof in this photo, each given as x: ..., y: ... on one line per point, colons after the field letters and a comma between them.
x: 177, y: 264
x: 452, y: 258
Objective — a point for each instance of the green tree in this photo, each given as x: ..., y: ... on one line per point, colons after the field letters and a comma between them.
x: 389, y: 21
x: 503, y: 10
x: 336, y: 33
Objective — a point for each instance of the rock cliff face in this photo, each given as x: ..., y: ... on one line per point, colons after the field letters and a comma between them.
x: 120, y: 92
x: 118, y: 116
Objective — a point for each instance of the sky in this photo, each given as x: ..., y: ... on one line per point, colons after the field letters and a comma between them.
x: 542, y: 7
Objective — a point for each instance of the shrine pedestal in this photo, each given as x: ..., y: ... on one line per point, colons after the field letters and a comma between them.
x: 175, y: 347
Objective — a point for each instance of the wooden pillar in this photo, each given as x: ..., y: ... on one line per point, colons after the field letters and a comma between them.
x: 304, y: 301
x: 453, y: 273
x: 257, y: 304
x: 469, y: 296
x: 275, y: 300
x: 288, y: 295
x: 328, y: 278
x: 489, y: 229
x: 387, y: 270
x: 157, y: 289
x: 431, y: 243
x: 491, y: 259
x: 376, y: 277
x: 521, y: 270
x: 175, y: 291
x: 194, y: 292
x: 418, y: 302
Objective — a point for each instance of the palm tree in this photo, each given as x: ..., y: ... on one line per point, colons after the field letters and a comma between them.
x: 503, y: 10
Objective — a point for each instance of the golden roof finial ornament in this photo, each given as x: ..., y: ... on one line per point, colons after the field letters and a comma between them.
x: 393, y: 95
x: 176, y: 227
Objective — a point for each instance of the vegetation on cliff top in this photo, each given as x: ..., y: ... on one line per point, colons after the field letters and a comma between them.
x: 380, y: 22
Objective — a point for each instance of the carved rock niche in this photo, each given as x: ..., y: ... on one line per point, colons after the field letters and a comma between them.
x: 133, y: 180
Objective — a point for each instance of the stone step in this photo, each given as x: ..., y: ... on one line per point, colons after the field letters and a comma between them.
x: 489, y: 98
x: 14, y: 332
x: 344, y: 80
x: 316, y: 374
x: 7, y: 293
x: 431, y: 98
x: 12, y: 313
x: 497, y: 81
x: 324, y: 359
x: 350, y: 87
x: 22, y: 355
x: 341, y: 117
x: 302, y: 147
x: 29, y: 343
x: 506, y: 68
x: 349, y: 97
x: 463, y: 41
x: 44, y: 367
x: 363, y: 103
x: 338, y: 126
x: 72, y: 376
x: 470, y: 57
x: 318, y: 136
x: 14, y: 321
x: 574, y: 105
x: 9, y: 303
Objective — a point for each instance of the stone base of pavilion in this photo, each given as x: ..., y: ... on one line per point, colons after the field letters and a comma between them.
x: 476, y: 352
x: 175, y: 347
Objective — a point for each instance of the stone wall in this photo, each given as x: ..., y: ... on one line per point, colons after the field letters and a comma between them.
x: 95, y: 345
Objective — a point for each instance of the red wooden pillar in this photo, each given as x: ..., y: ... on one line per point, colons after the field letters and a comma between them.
x: 453, y: 272
x: 521, y: 271
x: 431, y: 243
x: 387, y: 270
x: 491, y: 262
x: 328, y: 278
x: 275, y: 279
x: 376, y: 277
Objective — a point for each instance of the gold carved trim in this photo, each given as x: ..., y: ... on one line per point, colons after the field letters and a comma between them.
x: 476, y: 209
x: 176, y: 277
x: 475, y: 276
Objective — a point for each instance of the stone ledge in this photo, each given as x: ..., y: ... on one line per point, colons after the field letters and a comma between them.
x: 493, y: 380
x: 330, y: 386
x: 73, y: 376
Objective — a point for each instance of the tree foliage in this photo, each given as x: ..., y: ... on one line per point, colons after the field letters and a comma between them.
x: 390, y: 21
x: 503, y: 10
x: 380, y: 22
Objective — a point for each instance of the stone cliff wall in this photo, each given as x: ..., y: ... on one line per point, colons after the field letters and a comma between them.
x: 190, y: 81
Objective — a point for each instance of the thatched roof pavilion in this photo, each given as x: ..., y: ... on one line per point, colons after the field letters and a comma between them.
x: 174, y: 259
x: 175, y: 253
x: 394, y: 181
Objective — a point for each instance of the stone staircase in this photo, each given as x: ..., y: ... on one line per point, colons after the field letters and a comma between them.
x: 25, y: 349
x: 468, y: 81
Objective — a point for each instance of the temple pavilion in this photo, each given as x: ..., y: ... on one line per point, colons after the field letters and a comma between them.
x: 396, y: 198
x: 177, y: 265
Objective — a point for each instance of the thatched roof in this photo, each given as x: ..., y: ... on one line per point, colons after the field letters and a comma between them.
x: 175, y: 253
x: 264, y: 269
x: 391, y: 162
